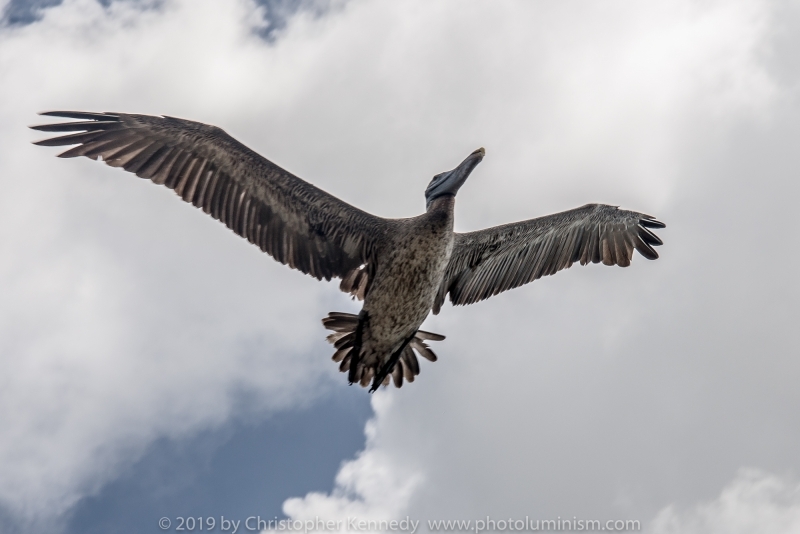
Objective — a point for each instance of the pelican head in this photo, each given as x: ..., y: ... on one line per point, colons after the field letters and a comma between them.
x: 448, y: 183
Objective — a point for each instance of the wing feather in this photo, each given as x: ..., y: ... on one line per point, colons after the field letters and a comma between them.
x: 487, y: 262
x: 286, y: 217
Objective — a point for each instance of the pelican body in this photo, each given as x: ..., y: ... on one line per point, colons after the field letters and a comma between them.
x: 401, y: 296
x: 401, y: 268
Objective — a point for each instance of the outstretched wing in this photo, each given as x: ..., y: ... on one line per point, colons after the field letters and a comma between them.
x: 288, y: 218
x: 487, y: 262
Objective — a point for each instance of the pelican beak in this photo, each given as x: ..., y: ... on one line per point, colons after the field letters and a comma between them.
x: 448, y: 183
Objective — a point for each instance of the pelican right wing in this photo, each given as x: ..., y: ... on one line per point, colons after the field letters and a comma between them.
x: 288, y: 218
x: 487, y: 262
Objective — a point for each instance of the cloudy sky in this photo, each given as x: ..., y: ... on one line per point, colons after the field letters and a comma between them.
x: 152, y: 364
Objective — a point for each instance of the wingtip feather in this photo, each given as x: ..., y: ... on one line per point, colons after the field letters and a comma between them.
x: 85, y: 115
x: 649, y: 221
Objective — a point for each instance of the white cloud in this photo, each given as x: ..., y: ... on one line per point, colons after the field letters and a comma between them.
x: 754, y: 502
x: 370, y: 488
x: 600, y: 392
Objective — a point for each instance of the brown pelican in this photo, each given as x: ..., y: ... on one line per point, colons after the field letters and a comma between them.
x: 401, y: 268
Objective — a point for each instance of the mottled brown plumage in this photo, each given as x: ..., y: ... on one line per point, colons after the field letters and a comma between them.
x: 401, y: 268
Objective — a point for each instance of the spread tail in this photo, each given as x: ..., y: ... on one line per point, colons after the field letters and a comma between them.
x: 344, y: 336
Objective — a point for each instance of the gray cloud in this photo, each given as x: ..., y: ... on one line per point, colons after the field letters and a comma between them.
x: 603, y: 393
x: 121, y: 320
x: 598, y: 392
x: 754, y: 502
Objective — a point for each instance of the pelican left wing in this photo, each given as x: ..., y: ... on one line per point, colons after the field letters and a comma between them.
x: 288, y: 218
x: 487, y: 262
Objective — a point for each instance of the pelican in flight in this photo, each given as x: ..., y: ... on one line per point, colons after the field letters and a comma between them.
x: 401, y: 268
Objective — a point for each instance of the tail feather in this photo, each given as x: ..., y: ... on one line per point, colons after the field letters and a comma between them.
x: 345, y: 365
x: 405, y: 361
x: 410, y: 361
x: 335, y: 337
x: 366, y: 376
x: 430, y: 336
x: 344, y: 326
x: 340, y: 354
x: 346, y: 340
x: 397, y: 374
x: 340, y: 322
x: 422, y: 348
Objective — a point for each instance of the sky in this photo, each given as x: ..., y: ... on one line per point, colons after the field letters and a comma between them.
x: 153, y: 364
